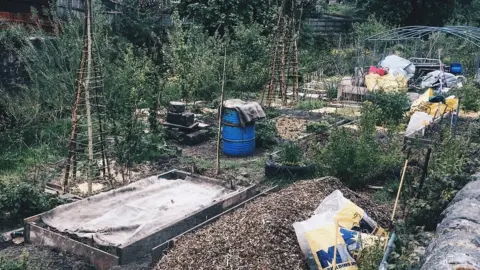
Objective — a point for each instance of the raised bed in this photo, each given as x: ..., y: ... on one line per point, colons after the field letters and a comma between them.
x: 105, y: 257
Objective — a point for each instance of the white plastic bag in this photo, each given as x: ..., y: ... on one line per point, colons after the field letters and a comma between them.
x: 396, y: 63
x: 418, y: 121
x: 316, y: 235
x: 347, y: 214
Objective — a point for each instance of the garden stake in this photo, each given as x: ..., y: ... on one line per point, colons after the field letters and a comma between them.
x: 335, y: 247
x: 220, y: 110
x: 396, y: 200
x: 399, y: 189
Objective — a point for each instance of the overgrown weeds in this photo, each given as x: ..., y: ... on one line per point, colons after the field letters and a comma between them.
x: 331, y: 86
x: 371, y: 256
x: 23, y: 199
x: 12, y: 264
x: 449, y: 171
x: 356, y: 157
x: 389, y: 107
x: 319, y: 127
x: 290, y: 154
x: 470, y: 97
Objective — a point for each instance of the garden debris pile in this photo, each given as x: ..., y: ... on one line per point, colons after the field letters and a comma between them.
x: 261, y: 235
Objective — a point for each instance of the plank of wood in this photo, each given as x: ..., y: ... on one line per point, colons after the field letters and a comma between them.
x: 189, y: 128
x: 40, y: 236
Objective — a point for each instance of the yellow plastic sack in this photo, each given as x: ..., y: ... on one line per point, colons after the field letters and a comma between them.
x: 348, y: 215
x: 321, y: 242
x: 386, y: 83
x: 422, y: 104
x: 316, y: 235
x: 450, y: 105
x: 371, y: 80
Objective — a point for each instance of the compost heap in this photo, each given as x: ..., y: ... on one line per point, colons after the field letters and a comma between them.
x: 260, y: 235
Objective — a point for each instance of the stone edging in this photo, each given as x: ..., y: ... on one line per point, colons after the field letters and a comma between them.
x: 457, y: 242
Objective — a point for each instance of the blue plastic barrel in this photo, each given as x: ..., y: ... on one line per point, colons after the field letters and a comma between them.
x: 456, y: 68
x: 237, y: 140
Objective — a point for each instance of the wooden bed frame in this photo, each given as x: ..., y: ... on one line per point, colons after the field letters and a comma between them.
x: 142, y: 248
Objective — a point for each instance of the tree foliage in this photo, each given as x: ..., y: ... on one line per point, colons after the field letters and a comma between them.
x: 419, y: 12
x: 223, y: 16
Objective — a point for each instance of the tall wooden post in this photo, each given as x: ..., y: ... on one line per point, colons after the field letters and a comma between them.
x: 220, y: 111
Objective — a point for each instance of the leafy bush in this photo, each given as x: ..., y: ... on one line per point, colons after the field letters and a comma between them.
x: 21, y: 200
x: 363, y: 30
x: 311, y: 104
x: 356, y: 158
x: 271, y: 112
x: 470, y: 95
x: 370, y: 257
x: 290, y: 154
x: 266, y: 134
x: 390, y: 107
x: 448, y: 173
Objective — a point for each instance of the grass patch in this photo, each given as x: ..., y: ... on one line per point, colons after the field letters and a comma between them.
x: 251, y: 164
x: 14, y: 264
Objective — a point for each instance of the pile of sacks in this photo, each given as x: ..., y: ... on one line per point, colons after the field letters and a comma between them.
x: 429, y: 107
x: 392, y: 74
x: 337, y: 234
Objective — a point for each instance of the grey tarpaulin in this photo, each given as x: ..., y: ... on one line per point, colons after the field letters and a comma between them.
x: 248, y: 111
x: 127, y: 214
x: 433, y: 79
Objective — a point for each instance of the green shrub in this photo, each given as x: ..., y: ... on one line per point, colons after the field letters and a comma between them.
x: 470, y: 95
x: 271, y: 112
x: 10, y: 264
x: 370, y: 257
x: 290, y: 154
x: 390, y: 107
x: 21, y: 200
x: 355, y: 157
x: 448, y: 173
x: 311, y: 104
x: 266, y: 134
x: 332, y: 88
